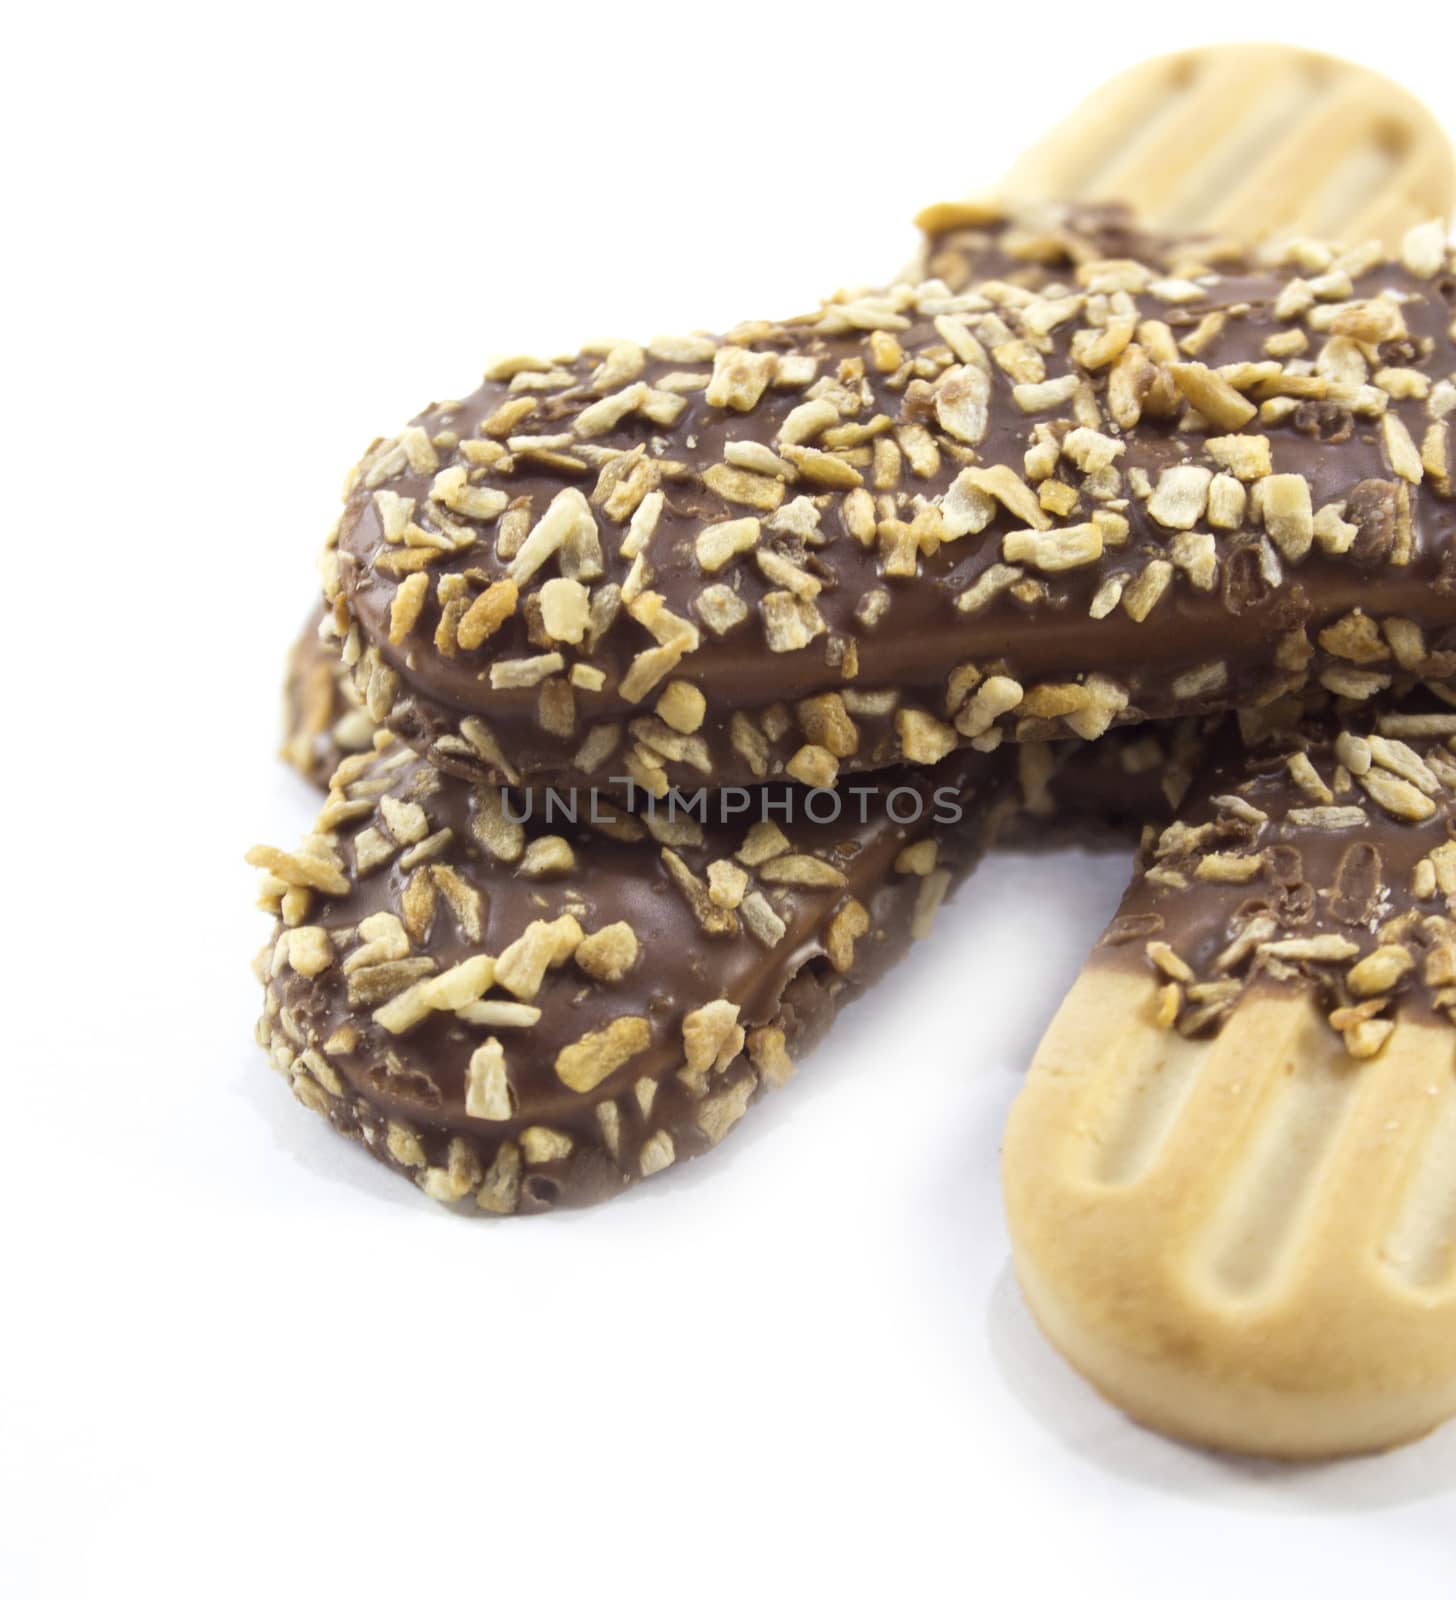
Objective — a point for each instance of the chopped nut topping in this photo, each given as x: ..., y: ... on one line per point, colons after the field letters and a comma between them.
x: 1220, y: 868
x: 718, y: 544
x: 564, y: 610
x: 682, y: 706
x: 1116, y: 436
x: 1001, y: 483
x: 996, y: 696
x: 522, y: 965
x: 595, y: 1056
x: 720, y: 609
x: 1181, y: 496
x: 487, y: 1084
x: 719, y: 1112
x: 813, y: 765
x: 305, y: 871
x: 1323, y: 947
x: 486, y: 613
x: 1034, y: 398
x: 1163, y: 956
x: 761, y: 920
x: 1400, y: 449
x: 609, y: 954
x: 1283, y: 501
x: 963, y: 402
x: 923, y: 738
x: 446, y: 991
x: 310, y: 950
x: 1381, y: 970
x: 564, y: 518
x: 789, y: 622
x: 1057, y: 550
x: 1397, y: 796
x: 657, y: 1153
x: 803, y: 871
x: 1212, y: 395
x: 547, y: 857
x: 849, y: 923
x: 711, y: 1036
x: 1246, y: 455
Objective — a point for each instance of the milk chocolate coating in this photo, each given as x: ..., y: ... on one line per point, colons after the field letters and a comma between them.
x: 1102, y: 794
x: 799, y: 927
x: 1069, y: 792
x: 1296, y: 859
x: 875, y: 577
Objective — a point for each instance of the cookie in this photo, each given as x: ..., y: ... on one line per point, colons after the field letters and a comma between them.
x: 916, y: 521
x: 524, y: 1012
x: 1231, y: 1176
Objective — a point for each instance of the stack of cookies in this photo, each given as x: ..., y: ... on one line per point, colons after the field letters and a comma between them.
x: 663, y: 691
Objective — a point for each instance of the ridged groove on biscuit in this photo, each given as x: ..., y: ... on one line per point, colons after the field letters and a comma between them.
x: 1221, y: 110
x: 1419, y: 1248
x: 1276, y: 1276
x: 1251, y: 141
x: 1387, y: 1152
x: 1271, y: 1182
x: 1161, y: 1100
x: 1157, y: 1072
x: 1234, y: 148
x: 1348, y: 150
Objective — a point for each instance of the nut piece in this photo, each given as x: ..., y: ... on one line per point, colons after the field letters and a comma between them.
x: 1381, y: 970
x: 609, y: 954
x: 740, y: 377
x: 849, y: 923
x: 995, y: 696
x: 568, y: 518
x: 310, y: 950
x: 583, y: 1065
x: 1215, y: 397
x: 1400, y: 449
x: 1397, y: 796
x: 564, y: 610
x: 682, y: 706
x: 522, y: 964
x: 826, y: 721
x: 486, y: 613
x: 1181, y: 496
x: 657, y: 1153
x: 711, y: 1036
x: 1283, y: 501
x: 814, y: 766
x: 919, y: 859
x: 1246, y: 455
x: 1001, y: 483
x: 963, y: 402
x: 1057, y: 550
x: 487, y: 1087
x: 547, y: 857
x: 923, y: 739
x: 718, y: 543
x: 405, y: 608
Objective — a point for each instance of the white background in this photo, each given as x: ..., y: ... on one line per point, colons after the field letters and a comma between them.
x: 236, y: 1357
